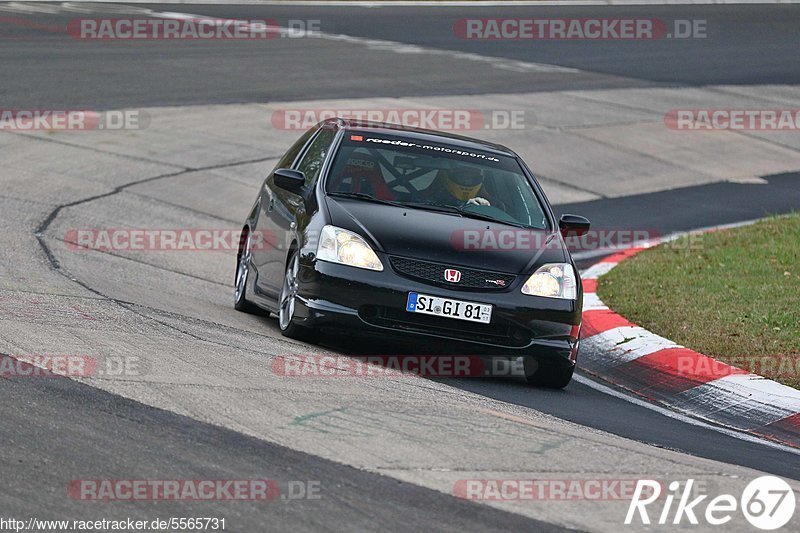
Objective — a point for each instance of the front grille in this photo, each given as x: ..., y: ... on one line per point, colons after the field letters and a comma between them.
x: 433, y: 273
x: 503, y: 334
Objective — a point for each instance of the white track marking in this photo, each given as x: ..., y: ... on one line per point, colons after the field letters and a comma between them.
x: 403, y: 48
x: 591, y: 302
x: 597, y: 270
x: 583, y: 380
x: 627, y: 343
x: 744, y: 396
x: 28, y: 8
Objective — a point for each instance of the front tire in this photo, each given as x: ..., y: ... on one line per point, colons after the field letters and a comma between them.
x: 240, y: 301
x: 287, y: 301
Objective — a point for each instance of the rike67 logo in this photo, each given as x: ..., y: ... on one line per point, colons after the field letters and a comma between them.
x: 767, y: 502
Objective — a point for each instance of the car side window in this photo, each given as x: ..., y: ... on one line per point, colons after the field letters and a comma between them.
x: 289, y: 157
x: 312, y: 161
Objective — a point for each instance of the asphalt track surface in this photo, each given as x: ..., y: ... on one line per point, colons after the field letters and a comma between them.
x: 64, y: 429
x: 42, y: 455
x: 744, y: 45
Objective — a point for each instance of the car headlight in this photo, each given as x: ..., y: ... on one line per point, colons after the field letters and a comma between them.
x: 338, y: 245
x: 553, y: 280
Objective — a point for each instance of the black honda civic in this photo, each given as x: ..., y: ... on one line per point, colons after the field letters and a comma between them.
x: 416, y: 235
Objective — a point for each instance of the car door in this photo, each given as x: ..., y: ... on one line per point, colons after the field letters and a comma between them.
x: 288, y: 210
x: 266, y: 232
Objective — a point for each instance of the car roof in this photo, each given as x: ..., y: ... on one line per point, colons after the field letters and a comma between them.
x: 418, y: 134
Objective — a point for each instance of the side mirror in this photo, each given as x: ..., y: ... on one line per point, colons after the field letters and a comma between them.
x: 291, y: 180
x: 573, y: 225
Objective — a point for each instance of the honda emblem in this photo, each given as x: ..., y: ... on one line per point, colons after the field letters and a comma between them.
x: 452, y: 275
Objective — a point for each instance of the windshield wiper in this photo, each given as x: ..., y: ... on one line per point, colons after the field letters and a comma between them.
x: 365, y: 196
x: 461, y: 212
x: 441, y: 208
x: 481, y: 216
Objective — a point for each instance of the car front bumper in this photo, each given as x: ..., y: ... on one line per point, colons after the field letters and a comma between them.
x: 340, y: 298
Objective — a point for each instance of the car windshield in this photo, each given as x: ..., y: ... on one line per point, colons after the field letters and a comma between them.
x: 435, y: 176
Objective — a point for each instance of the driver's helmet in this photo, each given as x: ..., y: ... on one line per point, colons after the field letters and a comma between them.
x: 464, y: 183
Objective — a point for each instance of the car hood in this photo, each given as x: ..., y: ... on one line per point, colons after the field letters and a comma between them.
x: 445, y: 238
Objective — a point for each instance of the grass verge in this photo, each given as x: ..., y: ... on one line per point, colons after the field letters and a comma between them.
x: 733, y: 295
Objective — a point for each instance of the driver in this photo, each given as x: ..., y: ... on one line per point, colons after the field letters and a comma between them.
x: 457, y: 186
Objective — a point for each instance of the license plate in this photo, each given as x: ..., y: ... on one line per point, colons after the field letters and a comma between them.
x: 447, y: 307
